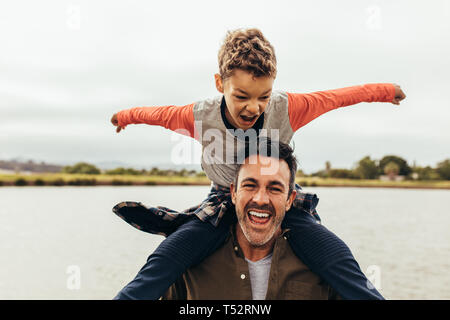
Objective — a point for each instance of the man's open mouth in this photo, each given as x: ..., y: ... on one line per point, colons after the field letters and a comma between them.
x: 258, y: 217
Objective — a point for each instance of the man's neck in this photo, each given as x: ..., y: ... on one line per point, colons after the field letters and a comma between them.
x: 252, y: 252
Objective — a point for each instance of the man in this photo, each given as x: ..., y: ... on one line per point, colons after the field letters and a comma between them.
x: 256, y: 262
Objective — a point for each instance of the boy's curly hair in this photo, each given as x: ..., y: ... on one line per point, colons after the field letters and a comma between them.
x: 249, y: 50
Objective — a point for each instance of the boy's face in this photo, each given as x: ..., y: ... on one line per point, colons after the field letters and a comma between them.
x: 246, y: 97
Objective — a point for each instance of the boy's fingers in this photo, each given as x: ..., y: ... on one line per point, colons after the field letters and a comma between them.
x: 399, y: 94
x: 114, y: 119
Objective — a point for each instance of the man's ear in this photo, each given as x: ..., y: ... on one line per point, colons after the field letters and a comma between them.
x: 233, y: 193
x: 290, y: 199
x: 219, y: 82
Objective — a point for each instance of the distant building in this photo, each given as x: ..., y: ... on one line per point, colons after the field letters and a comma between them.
x: 392, y: 178
x: 5, y: 171
x: 28, y: 167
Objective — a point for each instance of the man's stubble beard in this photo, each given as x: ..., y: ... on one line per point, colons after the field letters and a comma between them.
x: 254, y: 242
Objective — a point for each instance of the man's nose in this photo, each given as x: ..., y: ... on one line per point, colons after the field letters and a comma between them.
x: 261, y: 197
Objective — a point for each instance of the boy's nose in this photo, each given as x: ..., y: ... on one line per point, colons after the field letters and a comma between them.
x: 253, y: 109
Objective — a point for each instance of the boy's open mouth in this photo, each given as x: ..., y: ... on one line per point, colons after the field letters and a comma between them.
x: 248, y: 119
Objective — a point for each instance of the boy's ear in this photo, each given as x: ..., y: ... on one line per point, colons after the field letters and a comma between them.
x: 219, y: 82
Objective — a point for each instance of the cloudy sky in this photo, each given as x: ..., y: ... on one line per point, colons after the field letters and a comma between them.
x: 67, y: 66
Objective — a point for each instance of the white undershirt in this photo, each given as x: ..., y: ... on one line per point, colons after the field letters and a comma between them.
x: 259, y: 276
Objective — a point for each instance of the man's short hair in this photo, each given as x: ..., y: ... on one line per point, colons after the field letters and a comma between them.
x: 266, y: 147
x: 248, y: 50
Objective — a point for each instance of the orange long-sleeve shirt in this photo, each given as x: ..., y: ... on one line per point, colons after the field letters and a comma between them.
x: 302, y: 107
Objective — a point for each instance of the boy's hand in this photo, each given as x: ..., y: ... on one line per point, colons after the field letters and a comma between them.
x: 115, y: 122
x: 399, y: 95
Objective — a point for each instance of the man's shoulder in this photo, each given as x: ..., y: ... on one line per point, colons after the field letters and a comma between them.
x: 297, y: 281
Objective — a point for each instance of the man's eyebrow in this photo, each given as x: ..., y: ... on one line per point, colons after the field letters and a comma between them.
x: 276, y: 182
x: 266, y: 92
x: 271, y: 183
x: 249, y: 180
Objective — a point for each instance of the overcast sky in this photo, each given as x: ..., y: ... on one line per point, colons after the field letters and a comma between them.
x: 67, y: 66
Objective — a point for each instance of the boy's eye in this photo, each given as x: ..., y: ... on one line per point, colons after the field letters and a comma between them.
x: 244, y: 98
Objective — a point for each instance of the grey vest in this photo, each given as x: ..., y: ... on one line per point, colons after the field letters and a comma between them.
x: 220, y: 147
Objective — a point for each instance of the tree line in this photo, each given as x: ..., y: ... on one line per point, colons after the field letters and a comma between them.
x: 366, y: 168
x: 87, y: 168
x: 390, y: 166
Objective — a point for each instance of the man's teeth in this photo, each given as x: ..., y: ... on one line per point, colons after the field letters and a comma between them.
x: 259, y: 214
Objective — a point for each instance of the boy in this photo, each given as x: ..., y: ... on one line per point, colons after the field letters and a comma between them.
x: 247, y: 69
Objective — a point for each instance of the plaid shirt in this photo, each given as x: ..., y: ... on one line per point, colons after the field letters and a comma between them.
x: 164, y: 221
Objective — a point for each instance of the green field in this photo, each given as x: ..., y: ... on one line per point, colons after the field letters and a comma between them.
x: 101, y: 179
x: 61, y: 179
x: 332, y: 182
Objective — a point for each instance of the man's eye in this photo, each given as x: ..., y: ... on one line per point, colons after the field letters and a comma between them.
x: 248, y: 186
x: 276, y: 190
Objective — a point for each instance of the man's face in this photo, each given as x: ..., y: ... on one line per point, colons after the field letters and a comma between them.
x: 261, y: 200
x: 246, y: 97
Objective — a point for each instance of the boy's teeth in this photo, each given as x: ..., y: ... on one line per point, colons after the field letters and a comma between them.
x: 259, y: 214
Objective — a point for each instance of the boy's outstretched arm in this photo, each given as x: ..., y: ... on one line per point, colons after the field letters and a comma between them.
x: 304, y: 108
x: 175, y: 118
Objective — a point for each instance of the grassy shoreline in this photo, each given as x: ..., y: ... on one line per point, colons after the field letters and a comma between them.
x: 63, y: 179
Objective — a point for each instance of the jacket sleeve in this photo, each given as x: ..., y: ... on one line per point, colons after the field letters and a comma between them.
x: 304, y: 108
x: 175, y: 118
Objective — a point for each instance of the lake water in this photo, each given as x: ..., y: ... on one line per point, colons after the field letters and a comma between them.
x: 65, y: 242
